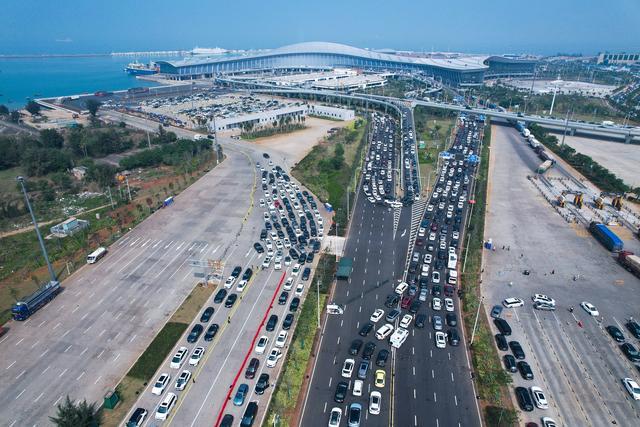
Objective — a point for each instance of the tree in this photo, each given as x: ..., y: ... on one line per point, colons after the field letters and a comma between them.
x: 81, y: 415
x: 93, y: 106
x: 50, y: 138
x: 33, y: 108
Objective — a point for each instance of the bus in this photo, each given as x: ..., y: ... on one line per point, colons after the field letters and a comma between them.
x: 399, y: 337
x: 94, y: 256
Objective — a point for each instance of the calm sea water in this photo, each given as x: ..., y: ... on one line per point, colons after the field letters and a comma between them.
x: 46, y: 77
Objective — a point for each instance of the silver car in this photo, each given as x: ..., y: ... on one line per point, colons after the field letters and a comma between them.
x: 437, y: 322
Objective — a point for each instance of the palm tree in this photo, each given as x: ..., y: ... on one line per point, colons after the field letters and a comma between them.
x: 81, y: 415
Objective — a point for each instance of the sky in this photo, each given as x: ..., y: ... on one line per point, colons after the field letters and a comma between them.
x: 493, y: 26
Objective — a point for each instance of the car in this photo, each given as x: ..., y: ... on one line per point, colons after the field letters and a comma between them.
x: 615, y: 333
x: 517, y: 350
x: 273, y: 357
x: 589, y: 308
x: 435, y: 277
x: 220, y: 295
x: 436, y: 304
x: 365, y: 329
x: 287, y: 322
x: 406, y: 320
x: 282, y: 299
x: 420, y: 320
x: 384, y: 331
x: 241, y: 394
x: 212, y: 330
x: 451, y: 319
x: 380, y: 376
x: 261, y: 345
x: 377, y: 315
x: 440, y: 339
x: 363, y: 369
x: 392, y: 315
x: 281, y: 339
x: 436, y: 321
x: 548, y: 422
x: 512, y: 302
x: 524, y: 399
x: 510, y: 363
x: 195, y: 333
x: 543, y: 299
x: 392, y: 300
x: 160, y: 384
x: 295, y: 303
x: 631, y: 352
x: 448, y: 304
x: 401, y: 288
x: 632, y: 387
x: 166, y: 406
x: 357, y: 387
x: 453, y: 337
x: 347, y: 368
x: 252, y: 368
x: 262, y: 384
x: 271, y: 323
x: 543, y: 306
x: 295, y: 270
x: 375, y: 401
x: 196, y: 356
x: 231, y: 300
x: 137, y: 418
x: 341, y: 391
x: 539, y: 398
x: 206, y: 315
x: 182, y: 380
x: 355, y: 347
x: 306, y: 273
x: 503, y: 326
x: 178, y: 358
x: 334, y: 417
x: 525, y: 370
x: 501, y: 342
x: 355, y: 414
x: 381, y: 359
x: 496, y: 311
x: 634, y: 328
x: 258, y: 247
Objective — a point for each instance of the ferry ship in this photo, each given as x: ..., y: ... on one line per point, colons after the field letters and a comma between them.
x: 137, y: 68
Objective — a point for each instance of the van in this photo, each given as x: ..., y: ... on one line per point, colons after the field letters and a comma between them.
x: 503, y: 326
x: 401, y: 288
x: 166, y: 406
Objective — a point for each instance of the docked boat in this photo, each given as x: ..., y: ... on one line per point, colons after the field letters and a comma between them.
x: 138, y: 68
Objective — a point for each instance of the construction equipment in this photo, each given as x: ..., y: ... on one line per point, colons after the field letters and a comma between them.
x: 578, y: 197
x: 599, y: 202
x: 616, y: 199
x: 561, y: 201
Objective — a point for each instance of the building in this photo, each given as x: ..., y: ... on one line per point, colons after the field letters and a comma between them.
x: 79, y: 172
x: 331, y: 112
x: 69, y: 227
x: 605, y: 58
x: 453, y: 70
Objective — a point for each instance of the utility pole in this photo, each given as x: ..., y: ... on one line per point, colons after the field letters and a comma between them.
x: 475, y: 324
x: 148, y: 139
x: 318, y: 298
x: 110, y: 198
x: 52, y: 274
x: 126, y: 180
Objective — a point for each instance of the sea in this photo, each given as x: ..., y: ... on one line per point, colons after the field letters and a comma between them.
x: 38, y: 77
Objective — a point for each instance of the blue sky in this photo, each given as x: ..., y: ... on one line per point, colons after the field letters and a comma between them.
x: 493, y: 26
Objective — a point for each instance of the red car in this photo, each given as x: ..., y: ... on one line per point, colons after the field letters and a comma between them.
x: 406, y: 302
x: 448, y: 290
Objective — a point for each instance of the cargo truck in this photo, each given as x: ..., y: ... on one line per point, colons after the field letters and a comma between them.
x: 605, y: 236
x: 630, y: 261
x: 544, y: 166
x: 26, y: 307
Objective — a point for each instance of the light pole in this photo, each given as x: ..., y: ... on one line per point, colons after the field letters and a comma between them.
x: 52, y: 274
x: 475, y: 323
x: 318, y: 298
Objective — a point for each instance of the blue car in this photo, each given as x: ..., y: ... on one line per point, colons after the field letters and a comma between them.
x: 238, y: 400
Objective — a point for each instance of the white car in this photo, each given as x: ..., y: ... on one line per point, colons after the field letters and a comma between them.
x: 436, y: 304
x: 632, y: 387
x: 406, y: 321
x: 262, y: 203
x: 429, y: 208
x: 241, y: 285
x: 543, y: 299
x: 161, y: 384
x: 277, y: 265
x: 357, y: 387
x: 335, y: 417
x: 402, y: 288
x: 441, y: 341
x: 432, y: 237
x: 296, y: 270
x: 375, y: 401
x: 589, y: 308
x: 178, y: 358
x: 229, y: 283
x: 273, y: 358
x: 377, y: 315
x: 428, y: 258
x: 261, y: 345
x: 435, y: 277
x: 512, y: 302
x: 182, y: 380
x: 166, y: 406
x: 267, y: 262
x: 384, y: 331
x: 347, y: 368
x: 299, y: 289
x: 539, y: 398
x: 448, y: 304
x: 196, y: 356
x: 281, y: 339
x: 288, y: 284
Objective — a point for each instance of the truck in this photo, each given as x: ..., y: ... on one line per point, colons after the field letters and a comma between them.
x: 544, y: 166
x: 344, y: 268
x: 630, y: 261
x: 526, y: 132
x: 606, y: 237
x: 29, y: 305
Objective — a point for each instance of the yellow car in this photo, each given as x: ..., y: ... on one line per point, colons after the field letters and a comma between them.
x: 380, y: 376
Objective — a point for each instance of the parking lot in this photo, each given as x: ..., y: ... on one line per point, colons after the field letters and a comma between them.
x: 573, y: 358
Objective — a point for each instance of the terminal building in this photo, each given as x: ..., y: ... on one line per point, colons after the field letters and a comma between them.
x: 459, y: 70
x: 605, y: 58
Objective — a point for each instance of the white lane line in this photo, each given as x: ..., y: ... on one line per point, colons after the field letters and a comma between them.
x: 65, y: 334
x: 455, y: 399
x: 21, y: 393
x: 84, y: 351
x: 123, y: 240
x: 214, y: 250
x: 100, y: 355
x: 56, y: 402
x: 159, y: 242
x: 451, y: 376
x: 18, y: 343
x: 21, y: 374
x: 87, y: 330
x: 146, y: 243
x: 97, y: 379
x: 46, y: 369
x: 15, y: 421
x: 60, y: 308
x: 80, y: 376
x: 43, y: 354
x: 63, y: 372
x: 68, y: 348
x: 117, y: 357
x: 75, y: 309
x: 4, y: 339
x: 133, y: 338
x: 38, y: 398
x: 169, y: 244
x: 135, y: 241
x: 35, y: 344
x: 205, y: 247
x: 85, y: 316
x: 181, y: 244
x: 39, y: 326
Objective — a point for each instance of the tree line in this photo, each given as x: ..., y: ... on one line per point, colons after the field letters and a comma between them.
x: 172, y: 155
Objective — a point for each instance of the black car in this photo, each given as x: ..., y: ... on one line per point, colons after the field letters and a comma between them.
x: 231, y: 299
x: 287, y: 322
x: 195, y: 333
x: 212, y: 330
x: 252, y: 368
x: 356, y: 345
x: 258, y: 247
x: 525, y: 370
x: 206, y: 315
x: 265, y: 155
x: 510, y: 363
x: 295, y: 303
x: 306, y: 273
x: 220, y: 296
x: 453, y: 337
x: 501, y: 342
x: 236, y: 271
x: 271, y: 323
x: 293, y: 253
x: 227, y: 421
x: 392, y: 300
x: 262, y: 383
x: 302, y: 258
x: 420, y: 320
x: 436, y: 290
x: 365, y: 329
x: 615, y: 333
x: 634, y: 328
x: 249, y: 415
x: 381, y: 359
x: 503, y: 326
x: 247, y: 274
x: 137, y: 418
x: 524, y: 399
x: 451, y: 319
x: 415, y: 306
x: 263, y: 234
x: 631, y: 352
x: 282, y: 299
x: 341, y: 391
x: 369, y: 348
x: 310, y: 257
x: 517, y: 350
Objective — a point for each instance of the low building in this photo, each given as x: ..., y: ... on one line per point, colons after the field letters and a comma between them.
x: 331, y: 112
x: 605, y: 58
x: 79, y: 172
x: 69, y: 227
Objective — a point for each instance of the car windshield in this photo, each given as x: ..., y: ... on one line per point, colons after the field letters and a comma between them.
x: 355, y: 415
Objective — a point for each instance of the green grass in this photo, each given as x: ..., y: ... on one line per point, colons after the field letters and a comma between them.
x: 157, y: 351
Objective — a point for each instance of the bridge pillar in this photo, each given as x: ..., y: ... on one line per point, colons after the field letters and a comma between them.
x: 628, y: 138
x: 572, y: 131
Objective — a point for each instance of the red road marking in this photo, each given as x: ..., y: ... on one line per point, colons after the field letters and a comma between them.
x: 246, y: 357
